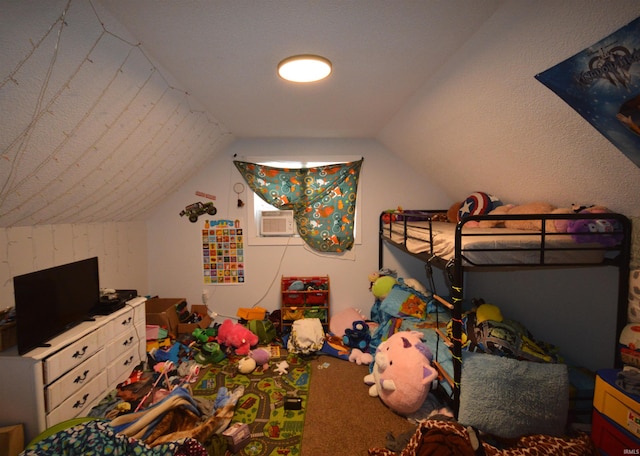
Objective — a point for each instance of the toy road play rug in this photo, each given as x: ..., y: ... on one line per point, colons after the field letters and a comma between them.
x: 276, y: 430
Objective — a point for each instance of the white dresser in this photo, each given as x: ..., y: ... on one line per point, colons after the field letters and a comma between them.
x: 52, y: 384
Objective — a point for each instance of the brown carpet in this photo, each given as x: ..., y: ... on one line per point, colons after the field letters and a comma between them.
x: 341, y: 418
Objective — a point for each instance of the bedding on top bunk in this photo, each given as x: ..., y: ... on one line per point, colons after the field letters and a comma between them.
x: 523, y: 245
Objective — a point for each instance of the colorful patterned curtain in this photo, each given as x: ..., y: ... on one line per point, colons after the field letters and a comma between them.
x: 323, y: 199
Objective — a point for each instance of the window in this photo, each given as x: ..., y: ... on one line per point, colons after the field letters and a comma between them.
x: 256, y: 205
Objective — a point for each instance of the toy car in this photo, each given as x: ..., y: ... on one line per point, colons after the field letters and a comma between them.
x: 197, y: 209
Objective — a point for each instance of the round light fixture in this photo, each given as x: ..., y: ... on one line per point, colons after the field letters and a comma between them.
x: 304, y: 68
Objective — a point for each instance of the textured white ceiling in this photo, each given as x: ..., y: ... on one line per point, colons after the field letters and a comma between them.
x: 225, y: 53
x: 110, y: 105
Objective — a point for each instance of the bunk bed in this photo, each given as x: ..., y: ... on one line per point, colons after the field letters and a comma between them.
x: 463, y: 247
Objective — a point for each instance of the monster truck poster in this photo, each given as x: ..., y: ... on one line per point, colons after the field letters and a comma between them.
x: 602, y: 83
x: 223, y: 252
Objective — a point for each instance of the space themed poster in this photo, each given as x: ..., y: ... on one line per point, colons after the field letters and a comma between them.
x: 602, y: 84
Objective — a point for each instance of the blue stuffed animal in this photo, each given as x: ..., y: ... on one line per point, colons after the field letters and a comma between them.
x: 358, y: 336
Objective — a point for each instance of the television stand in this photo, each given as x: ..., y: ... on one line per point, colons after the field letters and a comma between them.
x: 49, y: 384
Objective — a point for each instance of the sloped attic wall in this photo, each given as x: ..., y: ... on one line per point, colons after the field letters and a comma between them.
x: 484, y: 123
x: 85, y: 114
x: 86, y: 117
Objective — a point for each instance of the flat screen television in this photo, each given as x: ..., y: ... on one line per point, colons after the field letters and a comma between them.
x: 50, y: 301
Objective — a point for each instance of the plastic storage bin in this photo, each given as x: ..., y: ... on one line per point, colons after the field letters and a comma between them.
x: 616, y: 404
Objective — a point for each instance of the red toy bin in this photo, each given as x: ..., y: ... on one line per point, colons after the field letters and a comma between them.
x: 287, y: 281
x: 317, y: 297
x: 293, y: 299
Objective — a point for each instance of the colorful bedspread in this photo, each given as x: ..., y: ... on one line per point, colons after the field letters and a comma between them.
x: 98, y: 438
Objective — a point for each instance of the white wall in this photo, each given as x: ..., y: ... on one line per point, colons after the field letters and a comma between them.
x: 175, y: 256
x: 484, y: 123
x: 121, y: 249
x: 572, y: 309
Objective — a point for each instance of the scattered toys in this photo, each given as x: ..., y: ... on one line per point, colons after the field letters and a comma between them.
x: 261, y: 357
x: 204, y: 335
x: 236, y: 336
x: 246, y: 365
x: 211, y: 353
x: 358, y: 336
x: 282, y: 368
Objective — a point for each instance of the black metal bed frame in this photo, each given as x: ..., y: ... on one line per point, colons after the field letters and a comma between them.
x: 617, y: 255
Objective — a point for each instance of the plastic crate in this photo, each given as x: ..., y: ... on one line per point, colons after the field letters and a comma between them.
x: 610, y: 438
x: 621, y: 407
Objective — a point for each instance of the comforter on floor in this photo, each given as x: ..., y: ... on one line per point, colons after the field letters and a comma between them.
x: 99, y: 438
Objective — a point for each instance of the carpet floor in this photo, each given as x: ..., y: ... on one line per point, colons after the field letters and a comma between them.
x: 341, y: 418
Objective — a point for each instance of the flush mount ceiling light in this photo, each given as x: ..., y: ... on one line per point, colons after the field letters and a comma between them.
x: 304, y: 68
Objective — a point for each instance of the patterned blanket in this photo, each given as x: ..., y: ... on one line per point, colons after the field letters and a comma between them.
x: 97, y: 438
x: 449, y: 438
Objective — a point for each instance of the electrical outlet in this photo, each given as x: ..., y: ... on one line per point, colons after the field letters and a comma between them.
x: 205, y: 296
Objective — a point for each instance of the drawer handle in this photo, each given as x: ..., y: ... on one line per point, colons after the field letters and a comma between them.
x: 129, y: 361
x: 81, y: 403
x: 80, y: 354
x: 126, y: 322
x: 128, y: 341
x: 81, y: 378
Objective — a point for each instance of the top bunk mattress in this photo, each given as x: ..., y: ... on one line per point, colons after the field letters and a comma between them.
x: 492, y: 246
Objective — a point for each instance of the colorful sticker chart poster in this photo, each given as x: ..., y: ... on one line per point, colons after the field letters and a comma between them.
x: 602, y: 84
x: 223, y: 252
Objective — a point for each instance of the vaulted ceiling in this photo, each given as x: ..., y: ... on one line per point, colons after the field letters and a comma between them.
x: 109, y: 105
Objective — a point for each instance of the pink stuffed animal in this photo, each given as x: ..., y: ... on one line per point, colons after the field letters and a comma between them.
x: 402, y: 372
x: 237, y: 336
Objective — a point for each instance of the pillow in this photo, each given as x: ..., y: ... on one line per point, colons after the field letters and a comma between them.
x: 344, y: 320
x: 405, y: 302
x: 478, y: 203
x: 510, y: 398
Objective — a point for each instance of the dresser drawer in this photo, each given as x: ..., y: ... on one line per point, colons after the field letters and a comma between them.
x: 120, y: 324
x: 79, y: 401
x: 121, y: 343
x: 58, y: 391
x: 72, y: 355
x: 121, y: 368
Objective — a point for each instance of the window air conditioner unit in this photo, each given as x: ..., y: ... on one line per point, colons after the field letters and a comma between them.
x: 276, y: 223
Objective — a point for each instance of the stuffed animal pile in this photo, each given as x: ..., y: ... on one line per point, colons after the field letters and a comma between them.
x: 481, y: 203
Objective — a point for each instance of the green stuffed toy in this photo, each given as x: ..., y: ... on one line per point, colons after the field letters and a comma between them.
x: 382, y: 286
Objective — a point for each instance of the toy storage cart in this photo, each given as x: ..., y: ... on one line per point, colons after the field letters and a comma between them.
x: 304, y: 297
